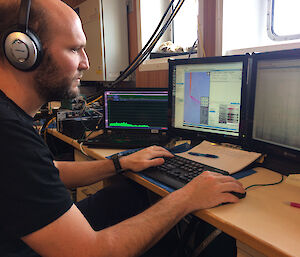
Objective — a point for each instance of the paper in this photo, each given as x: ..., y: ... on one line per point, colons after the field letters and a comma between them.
x: 230, y: 160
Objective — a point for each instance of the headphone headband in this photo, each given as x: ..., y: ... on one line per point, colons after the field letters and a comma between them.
x: 24, y: 15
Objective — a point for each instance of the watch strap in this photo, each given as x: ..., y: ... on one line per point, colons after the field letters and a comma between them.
x: 116, y: 160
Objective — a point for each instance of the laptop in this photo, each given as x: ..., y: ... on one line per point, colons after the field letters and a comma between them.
x: 133, y: 118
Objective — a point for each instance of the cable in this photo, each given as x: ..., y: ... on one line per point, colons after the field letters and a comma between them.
x: 143, y: 56
x: 192, y: 48
x: 46, y: 127
x: 145, y: 48
x: 206, y: 242
x: 150, y: 39
x: 90, y: 129
x: 94, y: 96
x: 85, y: 109
x: 175, y: 11
x: 81, y: 149
x: 262, y: 185
x: 98, y: 96
x: 97, y: 99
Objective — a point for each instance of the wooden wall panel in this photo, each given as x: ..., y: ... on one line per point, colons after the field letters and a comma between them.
x: 152, y: 78
x: 132, y: 32
x: 209, y: 29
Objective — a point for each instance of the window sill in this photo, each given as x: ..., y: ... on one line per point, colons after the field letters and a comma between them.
x: 260, y: 49
x: 161, y: 63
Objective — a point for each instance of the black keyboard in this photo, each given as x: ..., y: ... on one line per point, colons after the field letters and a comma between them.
x: 177, y: 171
x: 126, y: 141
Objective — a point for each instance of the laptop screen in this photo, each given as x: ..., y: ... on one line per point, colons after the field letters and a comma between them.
x: 134, y: 109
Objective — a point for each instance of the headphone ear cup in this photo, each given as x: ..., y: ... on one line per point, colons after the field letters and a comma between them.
x: 23, y: 50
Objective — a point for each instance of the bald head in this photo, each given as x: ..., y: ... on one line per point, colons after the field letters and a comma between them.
x: 60, y: 17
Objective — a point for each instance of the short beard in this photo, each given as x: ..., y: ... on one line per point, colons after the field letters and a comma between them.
x: 50, y: 84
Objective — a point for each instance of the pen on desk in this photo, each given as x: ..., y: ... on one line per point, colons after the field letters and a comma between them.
x: 203, y: 155
x: 297, y: 205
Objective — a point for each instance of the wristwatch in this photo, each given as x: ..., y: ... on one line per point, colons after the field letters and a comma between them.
x: 116, y: 160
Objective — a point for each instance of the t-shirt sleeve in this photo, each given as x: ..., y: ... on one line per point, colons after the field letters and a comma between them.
x: 31, y: 192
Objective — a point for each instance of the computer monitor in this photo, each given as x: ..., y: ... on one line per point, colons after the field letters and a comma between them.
x: 142, y: 109
x: 275, y: 108
x: 206, y: 98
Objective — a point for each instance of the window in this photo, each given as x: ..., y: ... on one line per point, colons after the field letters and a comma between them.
x: 247, y: 25
x: 183, y: 30
x: 185, y: 24
x: 151, y: 13
x: 283, y: 19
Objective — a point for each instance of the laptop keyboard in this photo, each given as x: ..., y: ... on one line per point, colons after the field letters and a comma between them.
x: 177, y: 171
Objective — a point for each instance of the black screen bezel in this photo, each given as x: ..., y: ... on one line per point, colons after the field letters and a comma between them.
x: 197, y: 135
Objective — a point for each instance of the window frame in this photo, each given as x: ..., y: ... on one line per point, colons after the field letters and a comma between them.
x: 263, y: 48
x: 270, y: 26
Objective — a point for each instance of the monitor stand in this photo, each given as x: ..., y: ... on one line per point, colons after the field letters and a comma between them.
x: 281, y: 165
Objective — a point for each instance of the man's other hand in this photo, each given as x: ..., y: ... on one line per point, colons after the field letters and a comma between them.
x: 143, y: 159
x: 210, y: 189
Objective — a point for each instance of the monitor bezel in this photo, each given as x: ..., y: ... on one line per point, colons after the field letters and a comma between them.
x: 258, y: 145
x: 200, y: 135
x: 133, y: 130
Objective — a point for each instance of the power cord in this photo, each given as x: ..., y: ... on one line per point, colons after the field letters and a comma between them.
x: 150, y: 39
x: 212, y: 236
x: 263, y: 185
x: 82, y: 150
x: 192, y: 48
x: 150, y: 45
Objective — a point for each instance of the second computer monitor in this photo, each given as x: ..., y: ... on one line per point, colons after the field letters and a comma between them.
x: 275, y: 104
x: 206, y: 97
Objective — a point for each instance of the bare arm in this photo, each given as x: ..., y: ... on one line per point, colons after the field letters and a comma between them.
x: 71, y: 235
x: 74, y: 174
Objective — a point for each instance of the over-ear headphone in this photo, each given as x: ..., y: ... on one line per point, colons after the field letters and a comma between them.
x: 22, y: 47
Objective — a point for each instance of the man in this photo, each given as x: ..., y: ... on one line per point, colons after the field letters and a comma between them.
x: 37, y: 216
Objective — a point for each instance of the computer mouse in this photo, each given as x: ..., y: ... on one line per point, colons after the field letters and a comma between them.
x: 239, y: 195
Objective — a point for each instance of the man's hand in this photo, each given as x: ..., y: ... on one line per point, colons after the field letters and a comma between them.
x: 210, y: 189
x: 205, y: 191
x: 148, y: 157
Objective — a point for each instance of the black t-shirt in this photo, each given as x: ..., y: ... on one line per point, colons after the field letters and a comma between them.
x: 31, y: 192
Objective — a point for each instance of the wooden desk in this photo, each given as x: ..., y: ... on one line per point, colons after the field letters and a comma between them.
x: 263, y: 223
